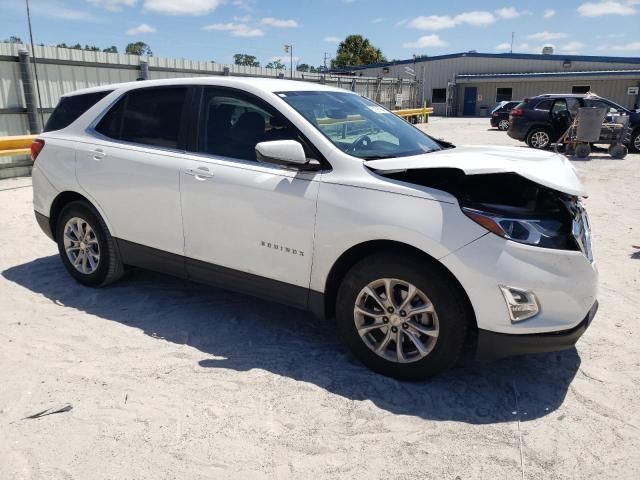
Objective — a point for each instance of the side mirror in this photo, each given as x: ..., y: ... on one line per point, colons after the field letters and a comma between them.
x: 285, y: 152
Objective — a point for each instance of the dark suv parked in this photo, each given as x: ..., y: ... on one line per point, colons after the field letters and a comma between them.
x: 500, y: 115
x: 541, y: 121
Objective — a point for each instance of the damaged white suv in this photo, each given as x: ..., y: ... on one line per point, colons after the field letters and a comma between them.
x: 321, y: 199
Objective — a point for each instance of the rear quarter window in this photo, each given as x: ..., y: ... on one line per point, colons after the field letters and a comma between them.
x: 70, y: 108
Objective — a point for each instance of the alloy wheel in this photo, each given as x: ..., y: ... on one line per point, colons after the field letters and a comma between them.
x: 503, y: 125
x: 540, y: 139
x: 81, y: 245
x: 396, y: 320
x: 636, y: 143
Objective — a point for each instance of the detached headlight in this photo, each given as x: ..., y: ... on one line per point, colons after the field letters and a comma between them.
x: 549, y: 233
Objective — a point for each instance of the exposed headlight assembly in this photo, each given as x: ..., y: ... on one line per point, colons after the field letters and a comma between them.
x: 549, y: 233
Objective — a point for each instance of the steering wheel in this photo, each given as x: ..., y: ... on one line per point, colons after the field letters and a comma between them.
x: 363, y: 141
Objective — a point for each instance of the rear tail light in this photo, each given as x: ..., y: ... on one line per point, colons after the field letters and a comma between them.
x: 495, y: 114
x: 517, y: 112
x: 36, y: 147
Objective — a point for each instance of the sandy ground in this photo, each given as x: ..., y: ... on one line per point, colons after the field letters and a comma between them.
x: 173, y: 380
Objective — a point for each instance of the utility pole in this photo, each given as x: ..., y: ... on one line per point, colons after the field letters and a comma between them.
x: 325, y: 61
x: 289, y: 49
x: 512, y: 35
x: 35, y: 67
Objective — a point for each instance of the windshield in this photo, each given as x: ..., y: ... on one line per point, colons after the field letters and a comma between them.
x: 358, y: 126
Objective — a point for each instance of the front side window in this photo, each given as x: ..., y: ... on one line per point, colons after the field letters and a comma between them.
x: 358, y: 126
x: 149, y: 116
x: 559, y: 107
x: 504, y: 94
x: 544, y: 105
x: 231, y: 124
x: 70, y: 108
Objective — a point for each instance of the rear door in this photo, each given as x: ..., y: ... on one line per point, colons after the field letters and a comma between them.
x: 131, y: 167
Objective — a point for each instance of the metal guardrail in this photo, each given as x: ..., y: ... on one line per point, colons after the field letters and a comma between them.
x: 16, y: 145
x: 415, y: 112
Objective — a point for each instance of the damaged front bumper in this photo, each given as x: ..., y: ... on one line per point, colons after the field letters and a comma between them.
x: 493, y: 346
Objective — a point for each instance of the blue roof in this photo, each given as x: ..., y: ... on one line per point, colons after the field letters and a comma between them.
x: 521, y: 56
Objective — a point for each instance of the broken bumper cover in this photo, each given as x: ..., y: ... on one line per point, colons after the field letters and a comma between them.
x: 44, y: 224
x: 492, y: 345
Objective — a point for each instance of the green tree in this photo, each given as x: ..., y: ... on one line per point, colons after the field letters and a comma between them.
x: 13, y: 39
x: 356, y: 50
x: 138, y: 48
x: 247, y: 60
x: 92, y: 48
x: 303, y: 67
x: 111, y: 49
x: 277, y: 64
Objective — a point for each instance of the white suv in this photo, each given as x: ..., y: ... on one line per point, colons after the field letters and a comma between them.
x: 321, y: 199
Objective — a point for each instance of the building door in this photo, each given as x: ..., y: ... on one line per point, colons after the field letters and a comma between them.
x: 470, y: 94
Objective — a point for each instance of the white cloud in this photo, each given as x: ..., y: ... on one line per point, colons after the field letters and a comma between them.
x: 571, y: 47
x: 503, y: 46
x: 508, y: 12
x: 113, y: 5
x: 56, y: 10
x: 183, y: 7
x: 279, y: 22
x: 476, y: 18
x: 332, y: 39
x: 432, y: 22
x: 142, y: 28
x: 426, y: 41
x: 442, y: 22
x: 627, y: 47
x: 377, y: 20
x: 235, y: 29
x: 546, y: 36
x: 549, y: 12
x: 599, y: 9
x: 399, y: 23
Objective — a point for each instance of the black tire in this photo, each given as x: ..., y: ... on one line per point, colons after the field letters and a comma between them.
x: 110, y: 267
x: 444, y: 293
x: 534, y: 135
x: 618, y: 151
x: 583, y: 150
x: 634, y: 144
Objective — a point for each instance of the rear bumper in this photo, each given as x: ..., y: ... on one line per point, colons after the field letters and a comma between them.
x: 45, y: 225
x: 494, y: 121
x: 492, y: 345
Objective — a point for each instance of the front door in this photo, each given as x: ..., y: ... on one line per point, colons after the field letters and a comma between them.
x: 470, y: 95
x: 246, y: 222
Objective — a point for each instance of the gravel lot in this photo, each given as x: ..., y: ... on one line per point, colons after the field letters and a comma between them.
x: 173, y: 380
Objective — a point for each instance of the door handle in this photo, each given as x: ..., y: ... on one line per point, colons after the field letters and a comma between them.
x: 98, y: 154
x: 200, y: 173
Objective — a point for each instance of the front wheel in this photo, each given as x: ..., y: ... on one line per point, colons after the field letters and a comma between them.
x: 634, y: 144
x: 401, y: 317
x: 539, y: 138
x: 86, y: 247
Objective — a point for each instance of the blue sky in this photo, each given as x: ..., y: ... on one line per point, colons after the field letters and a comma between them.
x: 216, y: 29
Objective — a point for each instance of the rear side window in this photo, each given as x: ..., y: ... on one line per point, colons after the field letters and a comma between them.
x: 148, y: 116
x: 70, y: 108
x: 544, y: 105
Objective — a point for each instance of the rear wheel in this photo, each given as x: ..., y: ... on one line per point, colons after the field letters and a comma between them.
x: 401, y: 318
x: 539, y: 138
x: 86, y: 247
x: 503, y: 125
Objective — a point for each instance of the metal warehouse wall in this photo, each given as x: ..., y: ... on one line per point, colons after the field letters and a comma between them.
x: 614, y: 89
x: 437, y: 73
x: 62, y: 70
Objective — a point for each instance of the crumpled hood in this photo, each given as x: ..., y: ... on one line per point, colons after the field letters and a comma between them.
x: 545, y: 168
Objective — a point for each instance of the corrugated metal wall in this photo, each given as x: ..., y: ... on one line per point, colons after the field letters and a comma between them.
x: 62, y: 70
x: 437, y: 73
x: 614, y: 89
